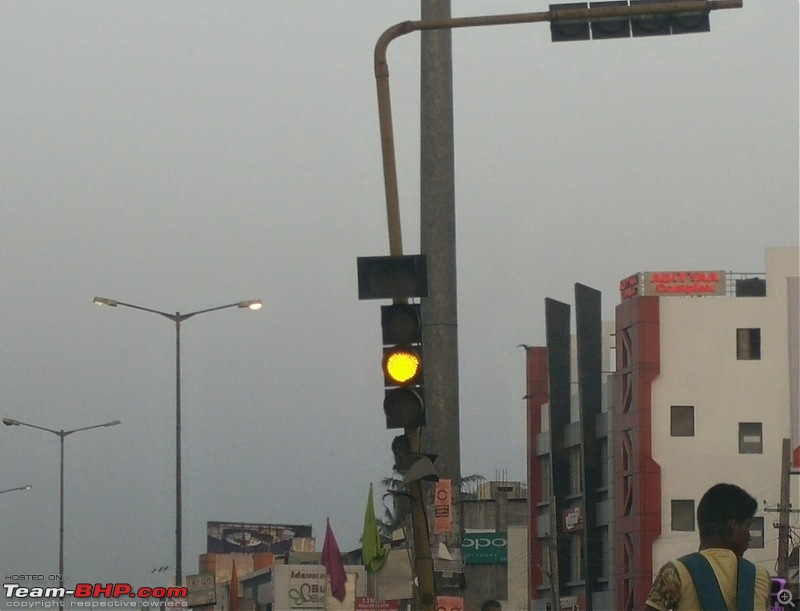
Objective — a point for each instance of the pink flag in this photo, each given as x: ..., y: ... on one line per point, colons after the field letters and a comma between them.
x: 332, y: 561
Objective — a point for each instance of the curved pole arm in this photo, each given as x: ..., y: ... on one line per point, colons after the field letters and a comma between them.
x: 556, y: 14
x: 88, y: 428
x: 114, y: 303
x: 190, y: 314
x: 25, y: 487
x: 12, y: 422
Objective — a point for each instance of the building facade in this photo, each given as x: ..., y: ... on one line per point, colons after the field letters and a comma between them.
x: 706, y: 391
x: 569, y: 460
x: 703, y: 388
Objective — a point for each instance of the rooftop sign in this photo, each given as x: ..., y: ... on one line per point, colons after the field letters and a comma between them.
x: 670, y: 284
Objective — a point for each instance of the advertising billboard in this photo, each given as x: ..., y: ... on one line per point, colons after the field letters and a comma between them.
x: 251, y: 538
x: 668, y: 284
x: 485, y: 547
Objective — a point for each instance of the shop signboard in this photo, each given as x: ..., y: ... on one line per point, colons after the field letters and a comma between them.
x: 485, y: 548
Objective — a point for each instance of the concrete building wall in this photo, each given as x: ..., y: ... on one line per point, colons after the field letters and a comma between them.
x: 699, y: 368
x: 506, y: 582
x: 518, y: 567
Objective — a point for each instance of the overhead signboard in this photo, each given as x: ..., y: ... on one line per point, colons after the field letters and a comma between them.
x: 675, y: 283
x: 252, y: 538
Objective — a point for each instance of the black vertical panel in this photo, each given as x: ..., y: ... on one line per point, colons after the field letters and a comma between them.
x: 557, y: 329
x: 588, y: 324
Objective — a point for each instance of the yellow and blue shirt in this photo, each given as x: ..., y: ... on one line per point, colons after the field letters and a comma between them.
x: 673, y: 589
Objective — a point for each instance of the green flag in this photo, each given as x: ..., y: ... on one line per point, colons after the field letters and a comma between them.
x: 372, y: 552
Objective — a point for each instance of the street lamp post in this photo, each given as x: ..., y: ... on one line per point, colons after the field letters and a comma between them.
x: 61, y: 435
x: 178, y: 318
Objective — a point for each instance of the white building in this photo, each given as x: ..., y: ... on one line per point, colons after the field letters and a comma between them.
x: 707, y: 367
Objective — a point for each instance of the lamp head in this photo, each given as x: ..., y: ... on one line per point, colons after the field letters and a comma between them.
x: 251, y: 304
x: 104, y: 301
x: 10, y: 422
x: 112, y: 423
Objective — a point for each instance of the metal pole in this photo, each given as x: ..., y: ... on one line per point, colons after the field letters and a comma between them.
x: 552, y: 550
x: 423, y: 560
x: 783, y: 515
x: 178, y: 494
x: 177, y: 318
x: 438, y: 243
x: 61, y: 436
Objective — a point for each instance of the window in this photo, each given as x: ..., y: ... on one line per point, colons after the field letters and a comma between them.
x: 627, y: 392
x: 751, y: 438
x: 575, y: 474
x: 547, y: 487
x: 575, y: 557
x: 546, y: 567
x: 683, y: 515
x: 681, y: 420
x: 626, y: 344
x: 757, y: 533
x: 604, y: 464
x: 605, y: 552
x: 748, y: 344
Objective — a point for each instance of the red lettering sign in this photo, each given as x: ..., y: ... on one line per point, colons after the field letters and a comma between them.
x: 629, y: 287
x: 680, y: 283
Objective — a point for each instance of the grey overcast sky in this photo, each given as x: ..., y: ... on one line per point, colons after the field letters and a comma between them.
x: 183, y: 155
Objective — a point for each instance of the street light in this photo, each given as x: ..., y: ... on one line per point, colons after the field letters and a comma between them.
x: 26, y: 487
x: 61, y: 434
x: 178, y: 318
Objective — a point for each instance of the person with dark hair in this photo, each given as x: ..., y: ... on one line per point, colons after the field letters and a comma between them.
x: 491, y: 605
x: 717, y: 577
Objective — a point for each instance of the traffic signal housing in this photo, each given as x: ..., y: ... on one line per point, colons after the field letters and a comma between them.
x: 605, y: 27
x: 403, y: 403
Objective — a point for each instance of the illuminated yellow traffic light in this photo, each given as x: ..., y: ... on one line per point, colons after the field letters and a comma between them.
x: 402, y: 366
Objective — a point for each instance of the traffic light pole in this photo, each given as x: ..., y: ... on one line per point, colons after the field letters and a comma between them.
x: 442, y: 386
x: 783, y: 520
x: 423, y: 560
x: 441, y: 435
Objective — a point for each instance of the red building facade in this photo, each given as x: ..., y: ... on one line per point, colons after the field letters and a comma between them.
x: 637, y: 478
